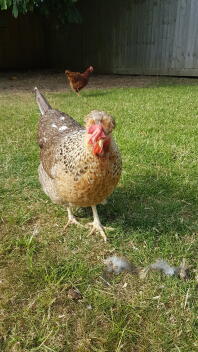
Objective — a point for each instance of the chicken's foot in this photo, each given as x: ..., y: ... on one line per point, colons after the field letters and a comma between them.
x: 96, y: 224
x: 71, y: 219
x: 76, y: 91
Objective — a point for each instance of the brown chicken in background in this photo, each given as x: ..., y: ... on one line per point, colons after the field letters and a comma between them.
x: 78, y: 80
x: 79, y: 166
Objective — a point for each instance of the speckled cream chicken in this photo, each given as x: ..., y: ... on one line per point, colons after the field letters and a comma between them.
x: 79, y: 166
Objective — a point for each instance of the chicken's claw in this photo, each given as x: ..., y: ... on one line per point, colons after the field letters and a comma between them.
x: 96, y: 227
x: 73, y: 221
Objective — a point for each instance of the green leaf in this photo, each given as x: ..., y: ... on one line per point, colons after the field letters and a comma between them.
x: 4, y: 5
x: 15, y: 10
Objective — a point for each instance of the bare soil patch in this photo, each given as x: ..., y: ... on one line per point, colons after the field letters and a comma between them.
x: 49, y: 80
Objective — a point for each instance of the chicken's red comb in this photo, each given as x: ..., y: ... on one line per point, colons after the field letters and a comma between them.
x: 96, y: 132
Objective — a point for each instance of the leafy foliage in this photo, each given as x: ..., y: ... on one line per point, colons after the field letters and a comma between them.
x: 64, y: 11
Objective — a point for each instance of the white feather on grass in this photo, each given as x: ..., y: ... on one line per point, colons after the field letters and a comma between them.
x: 162, y: 265
x: 117, y: 265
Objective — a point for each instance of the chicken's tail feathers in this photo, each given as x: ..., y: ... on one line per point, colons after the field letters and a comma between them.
x: 43, y: 104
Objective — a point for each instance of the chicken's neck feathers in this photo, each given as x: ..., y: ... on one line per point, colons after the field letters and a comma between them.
x: 86, y: 74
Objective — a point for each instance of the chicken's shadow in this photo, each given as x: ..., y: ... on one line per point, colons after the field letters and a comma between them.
x: 149, y: 203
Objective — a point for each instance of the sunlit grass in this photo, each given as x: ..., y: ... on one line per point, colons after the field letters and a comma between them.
x: 153, y: 211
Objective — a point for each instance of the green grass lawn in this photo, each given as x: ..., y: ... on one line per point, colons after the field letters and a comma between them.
x: 154, y: 213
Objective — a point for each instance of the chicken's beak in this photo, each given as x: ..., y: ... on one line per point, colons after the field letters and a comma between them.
x: 101, y: 142
x: 98, y: 147
x: 96, y: 132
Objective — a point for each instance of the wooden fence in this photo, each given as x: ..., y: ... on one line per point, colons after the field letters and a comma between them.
x: 158, y: 37
x: 151, y: 37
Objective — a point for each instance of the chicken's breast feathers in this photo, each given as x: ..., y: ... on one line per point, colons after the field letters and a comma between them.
x: 69, y: 171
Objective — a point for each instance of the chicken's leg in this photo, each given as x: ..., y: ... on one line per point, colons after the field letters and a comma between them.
x: 71, y: 219
x: 76, y: 92
x: 97, y: 226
